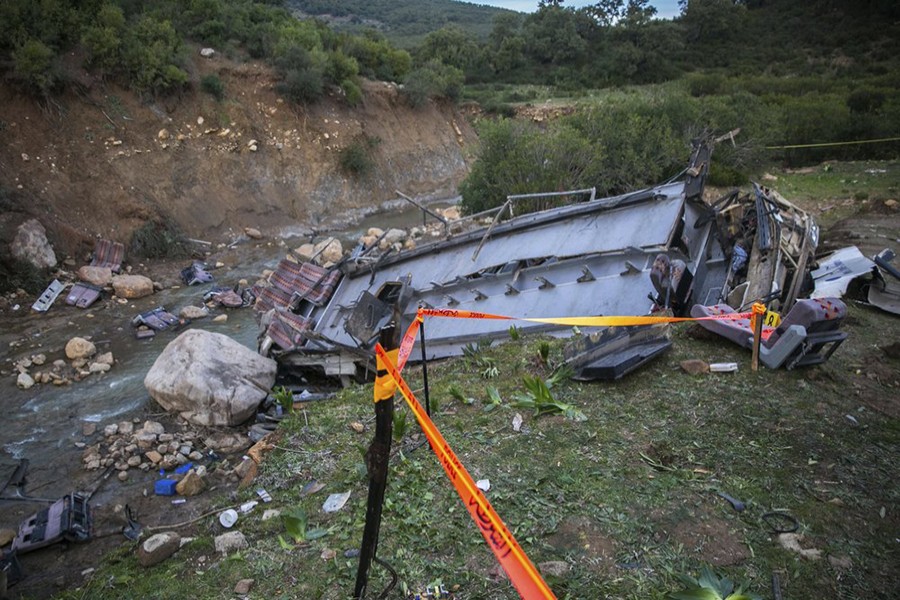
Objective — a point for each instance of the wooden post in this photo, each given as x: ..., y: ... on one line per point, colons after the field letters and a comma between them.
x: 378, y: 455
x: 759, y: 314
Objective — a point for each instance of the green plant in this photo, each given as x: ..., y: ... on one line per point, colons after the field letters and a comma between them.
x: 544, y: 352
x: 356, y: 158
x: 296, y: 524
x: 158, y: 239
x: 212, y: 85
x: 708, y: 586
x: 494, y: 399
x: 401, y: 425
x: 284, y: 398
x: 514, y: 334
x: 352, y: 92
x: 457, y: 394
x: 539, y: 398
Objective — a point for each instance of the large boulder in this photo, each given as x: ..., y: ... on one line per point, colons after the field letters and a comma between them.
x: 132, y: 286
x: 101, y: 276
x: 210, y: 379
x: 329, y: 250
x: 31, y: 245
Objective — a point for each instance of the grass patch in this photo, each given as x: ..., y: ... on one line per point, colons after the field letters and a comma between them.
x: 626, y: 499
x: 822, y: 185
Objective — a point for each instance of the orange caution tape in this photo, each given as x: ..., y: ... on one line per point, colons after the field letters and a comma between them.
x: 522, y: 573
x: 579, y: 321
x: 409, y: 340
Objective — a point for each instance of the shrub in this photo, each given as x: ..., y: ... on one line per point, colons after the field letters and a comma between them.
x: 352, y: 92
x: 212, y: 85
x: 433, y: 80
x: 160, y: 239
x: 865, y: 101
x: 355, y: 159
x: 705, y: 84
x: 32, y: 63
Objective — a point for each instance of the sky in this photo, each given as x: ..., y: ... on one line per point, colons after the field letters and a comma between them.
x: 666, y: 9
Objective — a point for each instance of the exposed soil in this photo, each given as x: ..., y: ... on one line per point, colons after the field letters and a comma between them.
x: 103, y: 163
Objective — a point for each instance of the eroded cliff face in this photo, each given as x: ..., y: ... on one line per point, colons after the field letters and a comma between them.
x: 104, y: 163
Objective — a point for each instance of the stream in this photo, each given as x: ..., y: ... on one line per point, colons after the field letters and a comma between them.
x: 44, y: 423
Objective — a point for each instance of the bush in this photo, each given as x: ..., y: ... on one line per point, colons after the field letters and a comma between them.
x: 212, y: 85
x: 32, y: 63
x: 865, y: 101
x: 356, y: 159
x: 433, y: 80
x: 160, y: 239
x: 352, y: 92
x: 705, y: 84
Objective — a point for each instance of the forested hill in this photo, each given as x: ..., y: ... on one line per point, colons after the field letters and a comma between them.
x: 405, y: 22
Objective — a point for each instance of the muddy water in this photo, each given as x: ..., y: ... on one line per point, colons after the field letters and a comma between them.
x: 44, y: 423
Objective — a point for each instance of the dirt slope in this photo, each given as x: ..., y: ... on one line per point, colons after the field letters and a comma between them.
x: 103, y: 163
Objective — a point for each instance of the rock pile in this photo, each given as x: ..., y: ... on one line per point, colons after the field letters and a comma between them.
x: 84, y: 362
x: 125, y: 447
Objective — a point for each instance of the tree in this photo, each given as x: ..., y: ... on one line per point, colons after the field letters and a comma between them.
x: 553, y: 36
x: 451, y: 46
x: 32, y: 63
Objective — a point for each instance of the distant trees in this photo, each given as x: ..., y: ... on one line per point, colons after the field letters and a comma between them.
x: 142, y: 44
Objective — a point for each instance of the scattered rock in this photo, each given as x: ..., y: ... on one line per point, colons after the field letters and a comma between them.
x: 78, y: 348
x: 153, y: 427
x: 392, y: 237
x: 207, y: 52
x: 190, y: 485
x: 88, y: 428
x: 163, y: 134
x: 554, y: 568
x: 31, y: 245
x: 220, y: 319
x: 193, y: 312
x: 132, y: 286
x: 791, y: 541
x: 97, y: 367
x: 253, y: 234
x: 105, y: 359
x: 39, y: 359
x: 227, y: 443
x: 110, y: 430
x: 231, y: 542
x: 24, y: 381
x: 305, y: 251
x: 122, y: 476
x: 153, y: 456
x: 357, y: 427
x: 271, y: 513
x: 694, y: 366
x: 329, y: 250
x: 125, y: 428
x: 101, y: 276
x: 159, y: 547
x: 243, y: 586
x: 842, y: 563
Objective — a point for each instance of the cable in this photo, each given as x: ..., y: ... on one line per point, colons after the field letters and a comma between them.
x: 394, y: 578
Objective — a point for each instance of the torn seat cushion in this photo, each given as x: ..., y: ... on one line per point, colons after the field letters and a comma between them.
x: 738, y: 331
x: 817, y: 314
x: 287, y: 329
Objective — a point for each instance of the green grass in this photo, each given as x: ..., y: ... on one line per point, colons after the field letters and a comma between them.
x: 626, y: 498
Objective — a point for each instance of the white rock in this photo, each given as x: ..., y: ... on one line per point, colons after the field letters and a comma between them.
x: 80, y: 348
x: 207, y: 52
x: 24, y: 381
x: 231, y: 542
x: 210, y: 379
